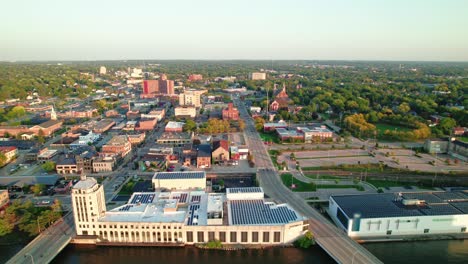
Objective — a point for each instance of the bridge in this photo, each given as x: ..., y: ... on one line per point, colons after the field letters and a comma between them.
x: 332, y: 239
x: 47, y: 245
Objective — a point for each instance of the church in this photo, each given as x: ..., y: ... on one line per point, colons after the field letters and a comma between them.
x: 282, y: 101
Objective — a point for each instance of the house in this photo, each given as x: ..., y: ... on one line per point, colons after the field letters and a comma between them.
x: 220, y: 151
x: 459, y: 131
x: 204, y: 156
x: 9, y: 152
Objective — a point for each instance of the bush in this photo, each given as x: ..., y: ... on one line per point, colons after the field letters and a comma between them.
x: 379, y: 190
x: 305, y: 241
x: 214, y: 244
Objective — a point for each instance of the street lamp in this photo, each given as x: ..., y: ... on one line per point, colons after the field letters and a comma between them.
x: 32, y: 259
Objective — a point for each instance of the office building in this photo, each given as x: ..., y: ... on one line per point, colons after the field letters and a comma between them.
x: 191, y: 98
x: 258, y: 76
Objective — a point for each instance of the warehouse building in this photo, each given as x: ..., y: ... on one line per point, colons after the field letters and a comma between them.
x: 402, y: 214
x: 186, y: 180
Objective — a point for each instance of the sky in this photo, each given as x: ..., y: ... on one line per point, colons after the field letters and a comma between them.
x: 409, y: 30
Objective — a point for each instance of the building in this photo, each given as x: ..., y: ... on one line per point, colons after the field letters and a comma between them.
x: 220, y: 151
x: 66, y: 166
x: 173, y: 126
x: 84, y: 161
x: 258, y: 76
x: 289, y: 135
x: 436, y: 146
x: 316, y: 134
x: 103, y: 126
x: 46, y: 154
x: 191, y: 98
x: 47, y: 128
x: 187, y: 180
x: 151, y: 87
x: 104, y: 164
x: 403, y: 214
x: 281, y: 101
x: 204, y: 156
x: 158, y: 114
x: 459, y: 131
x: 137, y: 138
x: 230, y: 113
x: 195, y: 77
x: 273, y: 126
x: 10, y: 153
x: 146, y: 124
x: 174, y: 139
x: 255, y: 109
x: 185, y: 111
x: 4, y: 198
x: 166, y: 87
x: 102, y: 70
x: 118, y: 145
x: 86, y: 112
x: 182, y: 217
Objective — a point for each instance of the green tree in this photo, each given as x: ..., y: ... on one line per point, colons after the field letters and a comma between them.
x: 3, y: 159
x: 447, y: 124
x: 38, y: 188
x: 40, y: 136
x: 16, y: 112
x: 7, y: 224
x: 190, y: 125
x: 48, y: 166
x: 404, y: 108
x: 305, y: 241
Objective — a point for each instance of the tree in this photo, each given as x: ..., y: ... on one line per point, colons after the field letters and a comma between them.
x: 38, y: 188
x: 190, y: 125
x: 3, y: 159
x: 16, y: 112
x: 48, y: 166
x: 305, y: 241
x: 40, y: 136
x: 6, y: 224
x: 447, y: 124
x: 404, y: 108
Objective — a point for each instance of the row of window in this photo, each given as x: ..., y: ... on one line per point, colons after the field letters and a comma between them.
x: 233, y: 237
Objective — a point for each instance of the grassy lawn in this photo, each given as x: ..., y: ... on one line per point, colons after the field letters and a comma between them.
x: 324, y: 177
x: 381, y: 127
x: 464, y: 139
x: 300, y: 186
x: 270, y: 137
x: 388, y: 184
x: 339, y: 186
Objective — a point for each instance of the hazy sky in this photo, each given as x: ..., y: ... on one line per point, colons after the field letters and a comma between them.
x: 236, y: 29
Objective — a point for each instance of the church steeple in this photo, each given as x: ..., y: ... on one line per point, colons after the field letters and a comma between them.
x: 53, y: 114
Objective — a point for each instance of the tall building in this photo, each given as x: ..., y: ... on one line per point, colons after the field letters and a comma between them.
x: 191, y: 98
x: 89, y: 204
x: 166, y: 87
x: 258, y: 76
x: 151, y: 86
x: 53, y: 114
x: 102, y: 70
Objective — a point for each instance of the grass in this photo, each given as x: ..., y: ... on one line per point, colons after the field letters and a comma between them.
x: 339, y: 186
x: 464, y: 139
x: 300, y: 186
x: 333, y: 157
x: 381, y: 127
x: 270, y: 137
x: 388, y: 184
x: 324, y: 177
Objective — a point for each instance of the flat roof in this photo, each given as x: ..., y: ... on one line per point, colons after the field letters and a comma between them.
x: 391, y: 205
x: 259, y: 212
x: 172, y: 124
x: 85, y: 184
x: 179, y: 175
x: 245, y: 190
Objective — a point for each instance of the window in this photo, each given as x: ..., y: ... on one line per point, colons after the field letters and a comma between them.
x: 200, y: 236
x: 276, y: 237
x: 233, y: 237
x: 189, y: 236
x: 211, y: 236
x: 266, y: 237
x: 222, y: 236
x: 254, y: 236
x: 426, y: 231
x: 389, y: 232
x: 244, y: 237
x: 463, y: 229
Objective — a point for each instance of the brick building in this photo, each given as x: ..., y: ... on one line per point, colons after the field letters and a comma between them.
x: 118, y: 145
x: 230, y: 113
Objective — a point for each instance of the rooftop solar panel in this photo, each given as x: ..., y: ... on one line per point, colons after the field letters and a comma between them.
x: 179, y: 175
x: 245, y: 190
x: 256, y: 212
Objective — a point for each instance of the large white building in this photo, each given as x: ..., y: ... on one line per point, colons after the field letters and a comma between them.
x: 183, y: 217
x: 191, y: 98
x: 258, y: 76
x: 185, y: 111
x: 386, y: 215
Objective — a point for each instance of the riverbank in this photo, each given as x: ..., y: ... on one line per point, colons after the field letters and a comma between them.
x: 435, y: 237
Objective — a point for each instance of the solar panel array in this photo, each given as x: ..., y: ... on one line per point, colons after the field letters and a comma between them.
x: 195, y: 199
x: 182, y: 198
x: 439, y: 209
x: 125, y: 208
x: 180, y: 175
x: 450, y: 196
x: 256, y: 212
x: 142, y: 198
x: 373, y: 206
x: 428, y: 197
x: 462, y: 206
x: 245, y: 190
x: 192, y: 215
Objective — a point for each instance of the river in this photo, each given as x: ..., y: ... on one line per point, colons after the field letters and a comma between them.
x: 428, y: 252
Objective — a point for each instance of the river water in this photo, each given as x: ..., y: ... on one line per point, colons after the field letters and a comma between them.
x: 427, y: 252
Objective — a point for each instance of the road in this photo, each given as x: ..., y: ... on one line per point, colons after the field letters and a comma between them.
x: 332, y: 239
x: 48, y: 244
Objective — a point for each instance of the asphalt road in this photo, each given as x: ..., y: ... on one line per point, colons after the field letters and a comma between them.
x: 332, y: 239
